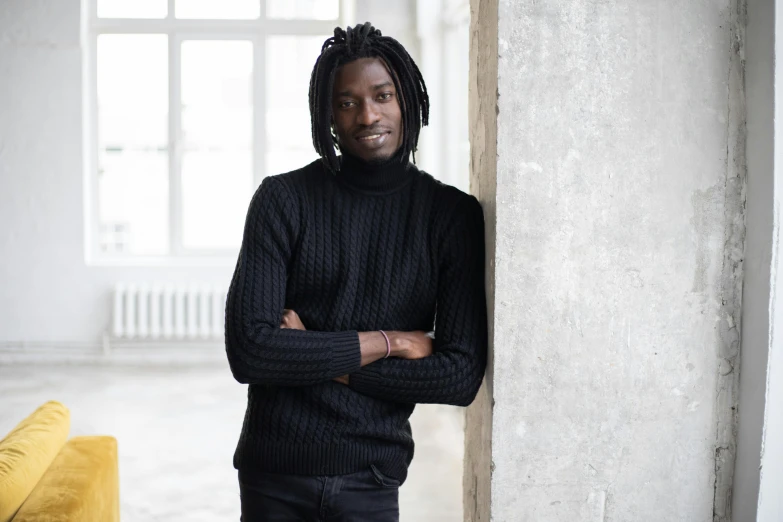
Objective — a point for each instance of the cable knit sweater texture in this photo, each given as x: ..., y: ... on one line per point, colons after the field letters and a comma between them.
x: 369, y: 248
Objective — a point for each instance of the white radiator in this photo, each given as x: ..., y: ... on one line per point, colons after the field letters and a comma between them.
x: 164, y: 311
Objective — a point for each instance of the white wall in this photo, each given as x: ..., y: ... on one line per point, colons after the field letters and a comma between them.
x: 49, y: 297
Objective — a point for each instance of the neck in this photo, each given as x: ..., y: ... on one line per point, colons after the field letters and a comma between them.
x: 375, y: 176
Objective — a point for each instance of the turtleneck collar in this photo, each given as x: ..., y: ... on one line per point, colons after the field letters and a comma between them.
x: 374, y: 177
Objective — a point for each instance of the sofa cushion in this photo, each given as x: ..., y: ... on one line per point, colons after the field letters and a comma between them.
x: 26, y: 453
x: 81, y: 485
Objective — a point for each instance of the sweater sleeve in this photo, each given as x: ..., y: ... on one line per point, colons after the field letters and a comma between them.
x: 453, y: 374
x: 258, y: 350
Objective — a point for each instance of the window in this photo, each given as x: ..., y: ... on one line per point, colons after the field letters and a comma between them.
x: 192, y: 103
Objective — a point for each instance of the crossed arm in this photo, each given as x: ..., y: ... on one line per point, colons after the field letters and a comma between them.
x: 373, y: 346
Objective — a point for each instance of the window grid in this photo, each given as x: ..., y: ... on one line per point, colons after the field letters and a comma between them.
x: 179, y: 30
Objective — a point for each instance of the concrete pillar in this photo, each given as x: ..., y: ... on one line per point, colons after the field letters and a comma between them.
x: 608, y: 151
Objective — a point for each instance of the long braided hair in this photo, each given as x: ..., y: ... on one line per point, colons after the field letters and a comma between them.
x: 365, y: 41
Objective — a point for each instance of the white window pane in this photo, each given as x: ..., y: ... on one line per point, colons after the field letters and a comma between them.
x: 216, y: 191
x: 132, y: 8
x: 133, y: 194
x: 217, y: 105
x: 303, y: 9
x: 132, y: 91
x: 289, y: 60
x: 223, y: 9
x: 217, y: 133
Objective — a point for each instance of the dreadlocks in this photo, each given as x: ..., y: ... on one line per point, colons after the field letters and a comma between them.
x: 345, y: 46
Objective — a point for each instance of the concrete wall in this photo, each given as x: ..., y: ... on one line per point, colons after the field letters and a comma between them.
x: 616, y: 275
x: 759, y: 75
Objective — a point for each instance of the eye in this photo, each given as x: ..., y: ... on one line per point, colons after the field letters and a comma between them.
x: 345, y: 104
x: 386, y: 96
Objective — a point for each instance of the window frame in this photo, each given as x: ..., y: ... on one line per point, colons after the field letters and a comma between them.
x: 177, y: 31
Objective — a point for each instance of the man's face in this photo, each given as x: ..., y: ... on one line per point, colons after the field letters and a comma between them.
x: 367, y: 116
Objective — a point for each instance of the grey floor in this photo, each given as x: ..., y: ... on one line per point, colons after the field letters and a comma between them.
x: 177, y: 429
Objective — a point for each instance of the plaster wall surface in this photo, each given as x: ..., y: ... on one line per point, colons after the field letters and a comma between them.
x: 618, y: 242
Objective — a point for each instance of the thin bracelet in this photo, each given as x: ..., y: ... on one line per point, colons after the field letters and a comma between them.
x: 388, y: 344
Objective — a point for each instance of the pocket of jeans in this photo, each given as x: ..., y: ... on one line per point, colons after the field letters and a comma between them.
x: 383, y: 480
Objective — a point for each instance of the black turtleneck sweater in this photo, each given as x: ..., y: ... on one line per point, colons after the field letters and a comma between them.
x: 374, y: 247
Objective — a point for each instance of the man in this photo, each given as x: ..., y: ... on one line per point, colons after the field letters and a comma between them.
x: 343, y: 265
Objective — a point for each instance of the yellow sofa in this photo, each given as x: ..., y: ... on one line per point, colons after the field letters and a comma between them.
x: 44, y: 477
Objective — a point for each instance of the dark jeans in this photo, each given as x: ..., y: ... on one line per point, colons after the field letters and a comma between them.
x: 365, y: 496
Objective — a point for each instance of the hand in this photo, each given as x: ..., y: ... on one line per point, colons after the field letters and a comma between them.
x: 343, y: 380
x: 291, y: 321
x: 411, y: 345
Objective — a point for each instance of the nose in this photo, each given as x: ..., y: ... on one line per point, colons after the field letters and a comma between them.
x: 369, y: 115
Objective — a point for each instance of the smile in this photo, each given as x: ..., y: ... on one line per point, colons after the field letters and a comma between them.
x: 372, y: 137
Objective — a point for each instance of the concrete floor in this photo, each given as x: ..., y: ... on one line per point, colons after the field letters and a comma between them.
x: 177, y: 429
